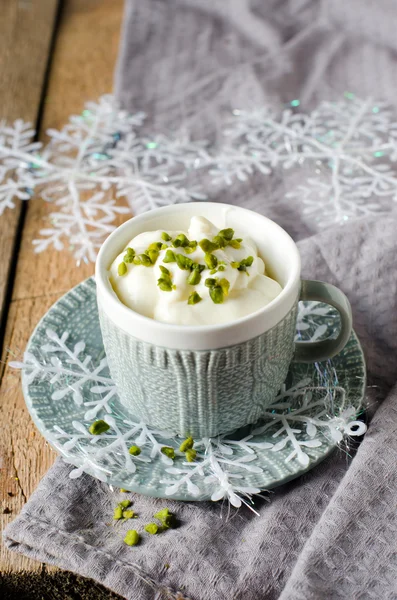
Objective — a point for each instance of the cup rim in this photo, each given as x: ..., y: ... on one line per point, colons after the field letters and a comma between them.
x: 107, y: 297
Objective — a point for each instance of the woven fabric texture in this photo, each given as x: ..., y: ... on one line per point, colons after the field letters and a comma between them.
x: 332, y: 535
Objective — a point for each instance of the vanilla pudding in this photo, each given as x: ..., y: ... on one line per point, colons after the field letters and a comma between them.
x: 201, y: 276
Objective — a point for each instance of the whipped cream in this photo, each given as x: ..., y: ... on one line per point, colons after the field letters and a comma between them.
x: 137, y: 287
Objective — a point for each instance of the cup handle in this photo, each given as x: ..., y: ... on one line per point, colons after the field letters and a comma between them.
x: 324, y: 349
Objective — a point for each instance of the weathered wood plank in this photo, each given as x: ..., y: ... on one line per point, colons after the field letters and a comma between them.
x: 26, y: 30
x: 82, y: 68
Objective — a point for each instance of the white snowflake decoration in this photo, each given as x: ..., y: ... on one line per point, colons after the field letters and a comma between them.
x: 98, y: 155
x: 300, y: 418
x: 349, y: 149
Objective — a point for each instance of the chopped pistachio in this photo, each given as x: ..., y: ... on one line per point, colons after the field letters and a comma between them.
x: 180, y: 240
x: 153, y: 255
x: 132, y: 537
x: 167, y: 451
x: 221, y: 268
x: 124, y: 491
x: 211, y: 261
x: 194, y: 298
x: 227, y: 233
x: 122, y: 269
x: 165, y: 284
x: 234, y: 244
x: 193, y: 244
x: 135, y: 450
x: 164, y: 246
x: 98, y: 427
x: 166, y: 237
x: 189, y: 250
x: 191, y: 455
x: 207, y: 246
x: 219, y: 241
x: 129, y: 255
x: 239, y: 239
x: 152, y: 528
x: 164, y: 270
x: 166, y: 517
x: 142, y: 259
x: 169, y: 256
x: 225, y: 285
x: 186, y: 444
x: 125, y: 503
x: 118, y: 513
x: 129, y: 514
x: 216, y: 294
x: 184, y: 262
x: 155, y: 246
x: 194, y: 277
x: 198, y: 267
x: 213, y: 271
x: 210, y: 282
x: 235, y: 264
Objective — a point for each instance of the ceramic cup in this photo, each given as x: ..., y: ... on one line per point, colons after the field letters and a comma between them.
x: 206, y: 380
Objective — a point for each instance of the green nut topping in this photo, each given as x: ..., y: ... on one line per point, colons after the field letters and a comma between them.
x: 184, y: 262
x: 194, y: 298
x: 191, y: 455
x: 142, y: 259
x: 132, y: 537
x: 211, y: 261
x: 165, y: 270
x: 124, y: 490
x: 166, y: 517
x: 167, y: 451
x: 153, y: 255
x: 210, y: 282
x: 216, y: 294
x: 129, y: 255
x: 165, y: 284
x: 169, y: 257
x: 221, y: 268
x: 180, y: 240
x: 235, y: 244
x: 199, y: 268
x: 164, y: 246
x: 125, y: 503
x: 152, y: 528
x: 225, y: 285
x: 194, y: 277
x: 122, y: 269
x: 155, y: 246
x: 207, y: 246
x: 186, y: 444
x: 98, y: 427
x: 118, y: 513
x: 135, y: 450
x: 227, y: 234
x: 166, y: 237
x: 219, y: 241
x: 129, y: 514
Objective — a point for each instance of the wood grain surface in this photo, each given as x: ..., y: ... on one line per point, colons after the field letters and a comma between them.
x: 81, y: 69
x: 26, y: 30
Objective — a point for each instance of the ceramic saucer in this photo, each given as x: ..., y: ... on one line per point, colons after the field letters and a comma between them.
x: 67, y: 386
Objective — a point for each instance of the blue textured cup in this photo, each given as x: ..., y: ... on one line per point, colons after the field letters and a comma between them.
x: 207, y: 380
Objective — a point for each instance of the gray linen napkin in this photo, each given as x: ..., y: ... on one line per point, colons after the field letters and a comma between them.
x: 330, y: 534
x: 333, y: 533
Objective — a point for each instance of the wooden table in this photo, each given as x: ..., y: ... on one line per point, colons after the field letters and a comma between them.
x: 53, y: 58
